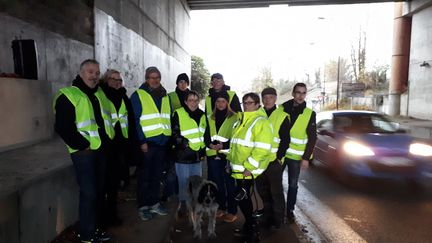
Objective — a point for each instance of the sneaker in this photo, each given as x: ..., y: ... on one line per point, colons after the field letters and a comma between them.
x: 220, y: 213
x: 145, y: 214
x: 158, y: 209
x: 102, y: 236
x: 229, y: 218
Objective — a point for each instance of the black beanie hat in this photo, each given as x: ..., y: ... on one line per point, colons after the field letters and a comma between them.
x: 222, y: 94
x: 182, y: 76
x: 268, y: 90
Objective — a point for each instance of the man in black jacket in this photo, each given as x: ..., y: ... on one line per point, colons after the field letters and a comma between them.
x: 86, y: 152
x: 302, y: 142
x: 218, y: 85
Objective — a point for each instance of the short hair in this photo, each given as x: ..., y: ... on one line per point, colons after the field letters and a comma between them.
x: 254, y: 96
x: 268, y: 91
x: 151, y: 70
x: 191, y: 93
x: 299, y: 85
x: 217, y: 76
x: 88, y: 61
x: 108, y: 74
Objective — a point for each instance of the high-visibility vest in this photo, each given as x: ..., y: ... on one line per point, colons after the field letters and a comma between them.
x: 298, y: 136
x: 153, y: 122
x: 84, y: 116
x: 209, y: 105
x: 276, y: 119
x: 123, y: 119
x: 175, y: 100
x: 224, y: 132
x: 108, y: 112
x: 250, y: 146
x: 190, y: 130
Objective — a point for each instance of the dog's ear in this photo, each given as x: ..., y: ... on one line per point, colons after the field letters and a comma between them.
x: 202, y: 194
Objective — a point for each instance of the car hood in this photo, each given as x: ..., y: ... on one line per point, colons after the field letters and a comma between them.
x: 384, y: 144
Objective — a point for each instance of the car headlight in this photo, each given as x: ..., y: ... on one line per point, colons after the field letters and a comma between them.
x: 420, y: 149
x: 357, y: 149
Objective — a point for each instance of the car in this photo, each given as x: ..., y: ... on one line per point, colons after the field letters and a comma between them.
x: 368, y: 144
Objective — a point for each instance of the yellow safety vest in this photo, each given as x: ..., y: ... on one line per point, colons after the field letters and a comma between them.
x: 108, y: 111
x: 224, y: 133
x: 123, y: 119
x: 190, y: 130
x: 276, y: 119
x: 251, y: 143
x: 175, y: 100
x: 298, y: 136
x: 153, y: 122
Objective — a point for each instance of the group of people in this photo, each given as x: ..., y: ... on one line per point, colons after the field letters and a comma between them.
x: 172, y: 137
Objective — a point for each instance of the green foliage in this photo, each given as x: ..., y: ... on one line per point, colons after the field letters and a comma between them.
x: 263, y: 80
x: 200, y: 78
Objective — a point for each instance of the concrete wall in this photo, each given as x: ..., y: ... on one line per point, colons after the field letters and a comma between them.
x: 420, y: 77
x: 133, y: 35
x: 26, y: 111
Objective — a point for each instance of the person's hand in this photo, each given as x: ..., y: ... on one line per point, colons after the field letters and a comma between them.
x: 304, y: 164
x: 219, y: 146
x: 246, y: 173
x: 144, y: 147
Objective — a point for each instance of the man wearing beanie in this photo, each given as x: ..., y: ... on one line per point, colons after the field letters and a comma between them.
x: 218, y: 85
x: 269, y: 184
x: 177, y: 97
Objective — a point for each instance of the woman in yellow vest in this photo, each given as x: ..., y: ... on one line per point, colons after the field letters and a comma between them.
x: 188, y: 127
x: 217, y: 138
x: 117, y: 169
x: 249, y: 155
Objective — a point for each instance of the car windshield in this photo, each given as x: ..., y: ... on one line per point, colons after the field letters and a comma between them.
x: 363, y: 123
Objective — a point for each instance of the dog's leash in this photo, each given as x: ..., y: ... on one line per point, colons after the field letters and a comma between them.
x: 243, y: 194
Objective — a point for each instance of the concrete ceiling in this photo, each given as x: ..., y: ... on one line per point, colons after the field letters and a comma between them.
x: 221, y: 4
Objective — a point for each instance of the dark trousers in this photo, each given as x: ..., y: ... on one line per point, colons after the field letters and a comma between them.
x: 225, y: 183
x: 149, y: 175
x: 269, y: 186
x: 245, y: 205
x: 90, y: 172
x: 293, y: 177
x: 115, y: 162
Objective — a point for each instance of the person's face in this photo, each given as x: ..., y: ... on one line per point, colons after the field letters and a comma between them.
x: 192, y: 102
x: 90, y: 74
x: 182, y: 85
x: 221, y: 104
x: 269, y: 100
x: 250, y: 105
x: 115, y: 81
x: 218, y: 83
x: 153, y: 80
x: 299, y: 94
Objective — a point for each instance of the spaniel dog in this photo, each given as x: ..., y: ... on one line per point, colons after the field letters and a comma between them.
x: 202, y: 199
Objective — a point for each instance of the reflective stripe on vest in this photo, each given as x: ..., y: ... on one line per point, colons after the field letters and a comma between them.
x: 209, y: 105
x: 298, y: 136
x: 84, y: 116
x: 189, y: 129
x: 108, y: 111
x: 123, y: 119
x: 224, y: 133
x: 276, y: 119
x: 153, y: 122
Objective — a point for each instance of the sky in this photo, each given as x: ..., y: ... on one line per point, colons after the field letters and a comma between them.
x: 291, y: 41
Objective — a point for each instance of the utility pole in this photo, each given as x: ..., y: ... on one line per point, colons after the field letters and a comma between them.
x: 337, y: 85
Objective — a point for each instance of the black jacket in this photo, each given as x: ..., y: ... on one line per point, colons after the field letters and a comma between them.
x: 184, y: 154
x: 294, y: 111
x: 235, y: 103
x: 284, y: 136
x: 65, y: 118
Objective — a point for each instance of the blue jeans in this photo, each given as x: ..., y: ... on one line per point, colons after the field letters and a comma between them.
x: 293, y: 176
x: 90, y: 173
x: 225, y: 183
x: 183, y: 172
x: 149, y: 175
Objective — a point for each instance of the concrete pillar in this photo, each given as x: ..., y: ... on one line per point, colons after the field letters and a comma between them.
x: 400, y: 58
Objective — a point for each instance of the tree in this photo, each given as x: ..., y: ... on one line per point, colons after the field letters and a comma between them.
x: 358, y: 58
x: 263, y: 80
x: 331, y: 71
x: 200, y: 78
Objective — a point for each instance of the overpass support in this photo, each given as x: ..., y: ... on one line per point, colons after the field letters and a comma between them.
x: 400, y: 59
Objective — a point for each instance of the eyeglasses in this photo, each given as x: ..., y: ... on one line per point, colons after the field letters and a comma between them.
x: 248, y: 102
x: 299, y: 93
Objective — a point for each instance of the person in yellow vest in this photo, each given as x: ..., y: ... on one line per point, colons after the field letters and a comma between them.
x: 152, y: 113
x: 218, y: 85
x: 188, y: 127
x: 269, y: 184
x: 217, y: 138
x: 83, y: 121
x: 249, y: 155
x: 117, y: 169
x: 302, y: 142
x: 177, y: 97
